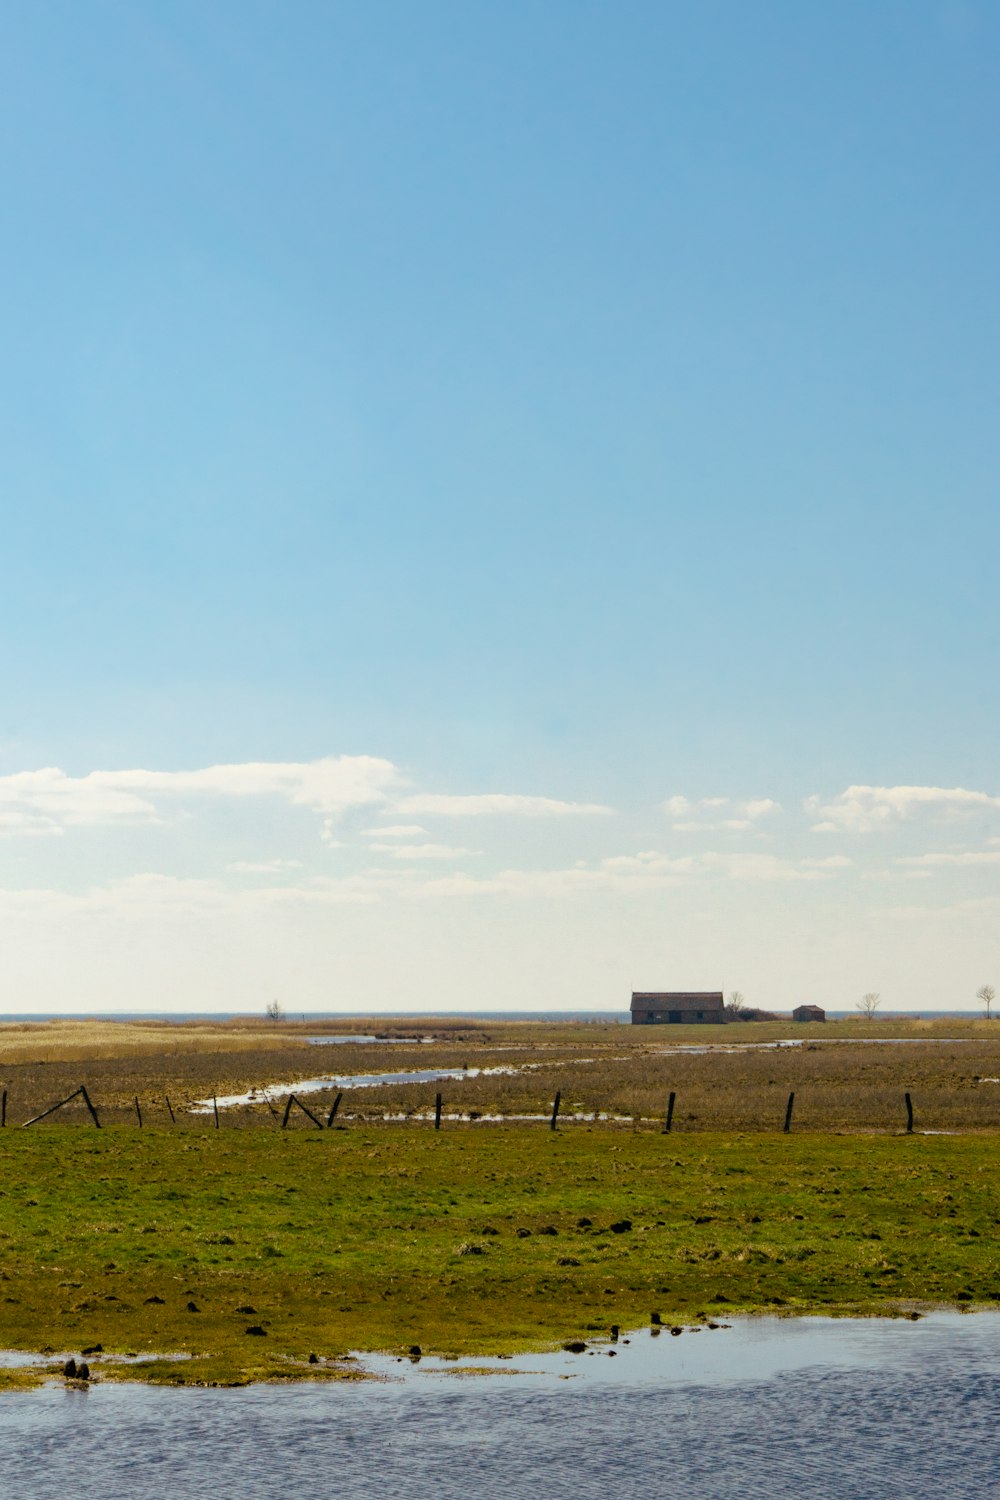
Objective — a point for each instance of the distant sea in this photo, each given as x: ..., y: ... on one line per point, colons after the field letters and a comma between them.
x: 605, y: 1017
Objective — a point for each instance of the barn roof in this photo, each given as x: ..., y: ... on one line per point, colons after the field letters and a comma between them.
x: 677, y: 999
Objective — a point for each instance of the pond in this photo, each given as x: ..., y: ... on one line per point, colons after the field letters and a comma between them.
x: 768, y: 1408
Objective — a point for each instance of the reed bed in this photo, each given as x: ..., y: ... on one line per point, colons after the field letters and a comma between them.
x: 69, y: 1041
x: 604, y: 1074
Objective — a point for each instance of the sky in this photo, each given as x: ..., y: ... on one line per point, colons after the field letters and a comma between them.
x: 499, y: 503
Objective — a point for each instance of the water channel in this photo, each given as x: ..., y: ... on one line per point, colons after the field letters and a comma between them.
x: 770, y: 1408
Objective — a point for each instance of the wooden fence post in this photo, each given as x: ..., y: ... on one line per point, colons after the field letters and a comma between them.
x: 170, y: 1109
x: 138, y: 1111
x: 51, y: 1111
x: 308, y: 1112
x: 555, y: 1110
x: 670, y: 1113
x: 215, y: 1107
x: 788, y: 1113
x: 86, y: 1100
x: 3, y: 1108
x: 437, y: 1111
x: 333, y: 1111
x: 909, y: 1114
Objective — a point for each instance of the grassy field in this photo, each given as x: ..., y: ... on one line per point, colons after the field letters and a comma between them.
x: 473, y: 1241
x: 491, y: 1236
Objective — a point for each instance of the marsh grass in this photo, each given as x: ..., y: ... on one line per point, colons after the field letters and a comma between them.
x: 618, y: 1072
x: 165, y: 1241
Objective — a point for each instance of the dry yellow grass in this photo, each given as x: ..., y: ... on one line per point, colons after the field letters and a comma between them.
x: 67, y: 1041
x: 741, y: 1082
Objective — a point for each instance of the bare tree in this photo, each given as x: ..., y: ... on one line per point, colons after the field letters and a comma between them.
x: 736, y: 1006
x: 868, y: 1005
x: 987, y: 994
x: 274, y: 1011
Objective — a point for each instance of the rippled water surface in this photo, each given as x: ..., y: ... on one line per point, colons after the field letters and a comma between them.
x: 768, y: 1408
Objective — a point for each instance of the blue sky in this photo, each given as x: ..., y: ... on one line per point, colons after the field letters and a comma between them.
x: 581, y: 402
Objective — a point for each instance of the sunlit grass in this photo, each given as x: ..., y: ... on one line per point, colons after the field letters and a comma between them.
x: 167, y: 1241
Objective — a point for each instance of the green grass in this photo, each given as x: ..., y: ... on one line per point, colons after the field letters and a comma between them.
x: 367, y: 1238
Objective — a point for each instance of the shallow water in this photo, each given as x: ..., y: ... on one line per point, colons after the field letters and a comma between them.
x: 346, y: 1081
x: 769, y: 1408
x: 369, y: 1041
x: 821, y: 1041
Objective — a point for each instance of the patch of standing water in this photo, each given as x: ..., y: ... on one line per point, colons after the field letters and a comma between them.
x: 748, y: 1349
x: 370, y: 1041
x: 772, y: 1410
x: 348, y: 1081
x: 820, y: 1041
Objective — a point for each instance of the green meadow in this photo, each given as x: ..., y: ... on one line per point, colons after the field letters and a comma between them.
x: 475, y: 1241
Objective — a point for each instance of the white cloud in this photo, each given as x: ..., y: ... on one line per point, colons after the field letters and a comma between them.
x: 862, y: 809
x: 497, y: 804
x: 762, y: 867
x: 626, y: 874
x: 966, y: 857
x: 702, y: 816
x: 48, y: 800
x: 330, y: 785
x: 760, y: 807
x: 25, y: 824
x: 424, y: 851
x: 263, y: 867
x: 395, y: 831
x: 646, y: 870
x: 677, y: 807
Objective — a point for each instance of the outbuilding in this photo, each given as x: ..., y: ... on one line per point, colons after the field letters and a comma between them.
x: 677, y: 1007
x: 809, y: 1013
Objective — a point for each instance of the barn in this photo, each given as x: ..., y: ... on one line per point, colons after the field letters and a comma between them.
x: 677, y: 1007
x: 809, y: 1013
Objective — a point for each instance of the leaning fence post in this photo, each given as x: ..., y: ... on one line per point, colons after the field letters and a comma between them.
x: 788, y: 1113
x: 909, y: 1114
x: 555, y: 1110
x: 437, y: 1111
x: 86, y: 1100
x: 305, y: 1110
x: 670, y: 1113
x: 288, y: 1110
x: 333, y: 1111
x: 138, y: 1111
x: 215, y: 1107
x: 51, y: 1110
x: 69, y: 1097
x: 170, y: 1109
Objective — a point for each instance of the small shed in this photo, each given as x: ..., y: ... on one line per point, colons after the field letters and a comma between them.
x: 809, y: 1013
x: 677, y: 1007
